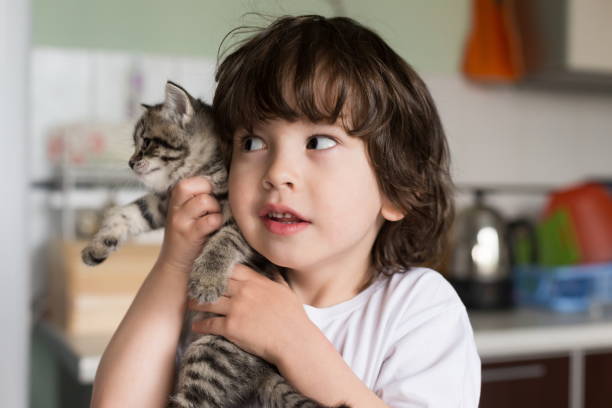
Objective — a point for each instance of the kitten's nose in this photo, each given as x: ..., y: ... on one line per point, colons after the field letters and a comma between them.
x: 132, y: 163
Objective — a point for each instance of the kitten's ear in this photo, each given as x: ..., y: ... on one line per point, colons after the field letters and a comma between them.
x: 144, y: 108
x: 178, y: 104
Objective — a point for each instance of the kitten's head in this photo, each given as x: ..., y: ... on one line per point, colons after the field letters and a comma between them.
x: 168, y: 136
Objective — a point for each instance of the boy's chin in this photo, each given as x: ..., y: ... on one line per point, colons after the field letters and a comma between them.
x: 283, y: 261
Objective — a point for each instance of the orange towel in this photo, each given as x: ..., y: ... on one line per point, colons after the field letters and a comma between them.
x: 493, y: 50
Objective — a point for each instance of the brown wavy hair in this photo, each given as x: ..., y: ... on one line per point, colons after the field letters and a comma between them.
x: 330, y: 69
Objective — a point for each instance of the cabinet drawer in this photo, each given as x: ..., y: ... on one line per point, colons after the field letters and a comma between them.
x: 526, y: 383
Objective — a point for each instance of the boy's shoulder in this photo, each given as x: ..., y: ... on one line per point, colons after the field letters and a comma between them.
x: 396, y: 297
x: 417, y: 280
x: 417, y: 290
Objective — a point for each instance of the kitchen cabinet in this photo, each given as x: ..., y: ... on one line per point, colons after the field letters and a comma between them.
x: 565, y: 43
x: 598, y: 379
x: 534, y: 357
x: 534, y: 383
x: 589, y: 35
x: 545, y: 382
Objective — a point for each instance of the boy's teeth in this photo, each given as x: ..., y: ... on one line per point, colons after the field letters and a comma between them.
x: 280, y: 215
x: 285, y: 217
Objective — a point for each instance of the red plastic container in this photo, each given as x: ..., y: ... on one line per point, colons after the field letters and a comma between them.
x: 590, y: 209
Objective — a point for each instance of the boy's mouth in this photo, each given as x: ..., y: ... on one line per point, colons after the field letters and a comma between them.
x: 284, y: 218
x: 284, y: 225
x: 281, y: 213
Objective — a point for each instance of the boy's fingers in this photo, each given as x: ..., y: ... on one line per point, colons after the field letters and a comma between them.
x: 220, y: 306
x: 207, y: 224
x: 187, y: 188
x: 212, y: 325
x: 200, y: 205
x: 242, y: 272
x: 279, y: 279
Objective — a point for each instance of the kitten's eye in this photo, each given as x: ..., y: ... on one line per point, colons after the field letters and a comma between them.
x: 145, y: 142
x: 251, y: 143
x: 320, y: 143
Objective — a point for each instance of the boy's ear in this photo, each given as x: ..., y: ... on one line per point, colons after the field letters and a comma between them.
x: 389, y: 211
x: 178, y: 104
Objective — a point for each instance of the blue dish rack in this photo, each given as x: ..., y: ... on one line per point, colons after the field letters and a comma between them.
x: 573, y: 288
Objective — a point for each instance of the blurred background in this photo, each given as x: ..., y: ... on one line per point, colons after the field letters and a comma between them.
x: 524, y: 89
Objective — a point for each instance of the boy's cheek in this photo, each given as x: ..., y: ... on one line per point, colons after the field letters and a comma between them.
x: 241, y: 177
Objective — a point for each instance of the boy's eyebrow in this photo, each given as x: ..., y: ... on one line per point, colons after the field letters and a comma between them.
x: 241, y: 132
x: 330, y: 129
x: 333, y: 129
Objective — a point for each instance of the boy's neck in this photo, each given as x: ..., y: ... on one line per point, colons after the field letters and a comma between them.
x: 324, y: 287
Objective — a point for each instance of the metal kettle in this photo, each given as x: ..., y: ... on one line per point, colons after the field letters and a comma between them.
x: 479, y: 267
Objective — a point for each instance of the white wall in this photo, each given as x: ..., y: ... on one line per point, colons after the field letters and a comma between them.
x: 14, y: 273
x: 504, y: 135
x: 509, y: 135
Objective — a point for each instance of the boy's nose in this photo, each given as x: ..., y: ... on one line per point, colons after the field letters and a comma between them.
x: 281, y: 174
x: 269, y: 185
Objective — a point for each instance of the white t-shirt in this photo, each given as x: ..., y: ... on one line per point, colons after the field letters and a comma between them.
x: 409, y: 339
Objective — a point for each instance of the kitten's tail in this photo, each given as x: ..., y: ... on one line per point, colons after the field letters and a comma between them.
x: 276, y: 392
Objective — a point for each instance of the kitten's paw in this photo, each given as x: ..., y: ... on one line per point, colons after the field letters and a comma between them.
x: 98, y: 251
x: 205, y: 287
x: 204, y: 293
x: 92, y: 257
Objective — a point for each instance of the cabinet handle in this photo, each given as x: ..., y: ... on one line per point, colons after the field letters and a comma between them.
x: 523, y: 372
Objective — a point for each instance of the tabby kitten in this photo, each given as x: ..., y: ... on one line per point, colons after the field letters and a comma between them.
x: 175, y: 140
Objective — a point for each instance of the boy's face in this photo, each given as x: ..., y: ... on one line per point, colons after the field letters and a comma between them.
x: 320, y: 173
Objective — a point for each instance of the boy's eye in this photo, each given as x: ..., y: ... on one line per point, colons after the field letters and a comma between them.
x: 320, y: 142
x: 251, y: 143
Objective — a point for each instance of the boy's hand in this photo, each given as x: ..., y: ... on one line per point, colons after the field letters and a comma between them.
x: 193, y: 213
x: 261, y: 316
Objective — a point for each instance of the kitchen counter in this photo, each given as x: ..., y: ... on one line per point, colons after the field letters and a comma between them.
x: 499, y: 335
x: 530, y: 331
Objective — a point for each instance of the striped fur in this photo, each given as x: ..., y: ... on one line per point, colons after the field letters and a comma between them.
x: 175, y: 140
